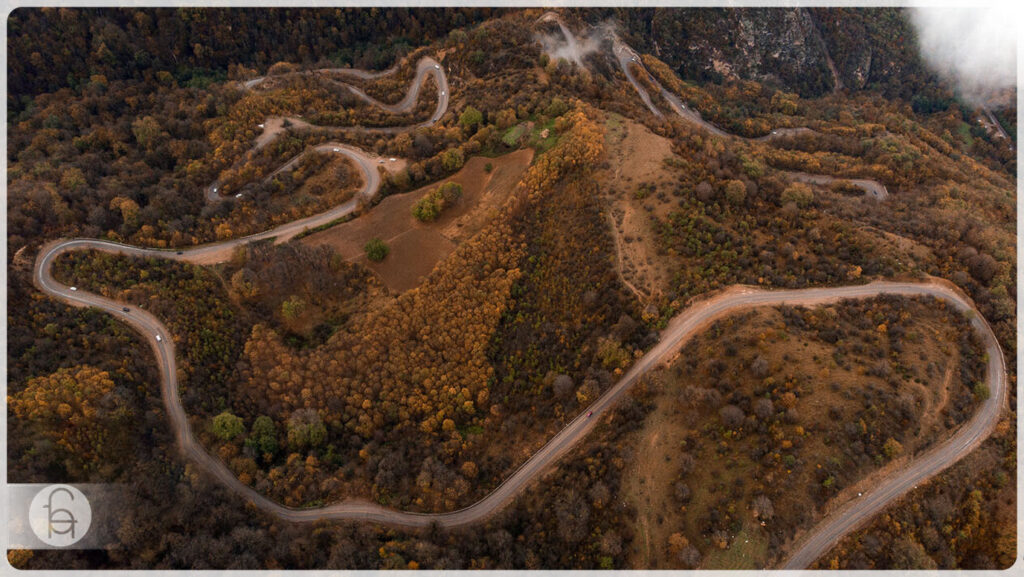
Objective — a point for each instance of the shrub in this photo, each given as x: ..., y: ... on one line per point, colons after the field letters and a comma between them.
x: 432, y: 205
x: 452, y: 159
x: 735, y: 192
x: 981, y: 391
x: 892, y: 447
x: 376, y: 250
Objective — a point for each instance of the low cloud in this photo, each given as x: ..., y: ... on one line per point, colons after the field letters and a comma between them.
x: 973, y: 48
x: 571, y: 47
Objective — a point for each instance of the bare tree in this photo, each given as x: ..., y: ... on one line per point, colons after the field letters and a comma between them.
x: 689, y: 556
x: 764, y: 409
x: 759, y: 367
x: 763, y: 508
x: 563, y: 386
x: 682, y: 492
x: 686, y: 463
x: 731, y: 415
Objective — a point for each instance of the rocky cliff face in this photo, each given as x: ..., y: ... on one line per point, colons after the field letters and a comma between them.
x: 873, y: 47
x: 809, y: 51
x: 778, y: 46
x: 782, y: 47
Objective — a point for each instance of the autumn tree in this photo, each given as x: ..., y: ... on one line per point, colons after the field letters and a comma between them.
x: 892, y: 448
x: 557, y: 108
x: 704, y: 191
x: 735, y: 192
x: 428, y: 208
x: 263, y: 436
x: 293, y: 307
x: 764, y: 409
x: 562, y: 386
x: 470, y: 117
x: 763, y: 508
x: 146, y: 131
x: 505, y: 118
x: 452, y: 159
x: 305, y: 429
x: 227, y: 426
x: 78, y: 410
x: 731, y: 415
x: 799, y: 193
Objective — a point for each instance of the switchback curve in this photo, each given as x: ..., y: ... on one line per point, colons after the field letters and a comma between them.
x: 680, y: 329
x: 426, y: 66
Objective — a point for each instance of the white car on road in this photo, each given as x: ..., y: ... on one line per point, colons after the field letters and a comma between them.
x: 74, y: 288
x: 158, y: 338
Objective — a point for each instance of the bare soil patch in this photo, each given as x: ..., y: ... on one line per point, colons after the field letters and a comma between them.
x: 637, y: 182
x: 417, y: 247
x: 414, y: 253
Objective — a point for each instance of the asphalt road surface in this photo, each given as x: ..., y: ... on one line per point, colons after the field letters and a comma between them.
x: 626, y: 56
x: 426, y: 66
x: 871, y: 188
x: 221, y: 251
x: 680, y: 329
x: 998, y: 126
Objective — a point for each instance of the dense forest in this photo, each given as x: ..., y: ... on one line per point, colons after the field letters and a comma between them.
x: 200, y: 46
x: 314, y: 382
x: 348, y: 404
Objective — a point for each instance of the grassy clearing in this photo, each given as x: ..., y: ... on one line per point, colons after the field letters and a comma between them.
x: 748, y: 549
x: 614, y: 126
x: 512, y: 135
x: 543, y: 144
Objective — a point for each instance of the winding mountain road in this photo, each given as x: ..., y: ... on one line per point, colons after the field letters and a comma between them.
x: 275, y: 125
x: 627, y: 57
x: 216, y: 252
x: 426, y: 66
x: 872, y: 188
x: 680, y: 329
x: 683, y: 327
